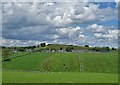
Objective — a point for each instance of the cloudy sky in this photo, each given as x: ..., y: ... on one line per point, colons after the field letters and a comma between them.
x: 27, y: 23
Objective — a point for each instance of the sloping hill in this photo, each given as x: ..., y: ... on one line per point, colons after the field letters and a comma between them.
x: 64, y: 62
x: 59, y: 46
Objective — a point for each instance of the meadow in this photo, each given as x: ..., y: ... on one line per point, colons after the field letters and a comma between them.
x: 66, y: 67
x: 57, y: 77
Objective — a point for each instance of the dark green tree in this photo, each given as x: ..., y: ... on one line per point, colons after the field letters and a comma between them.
x: 107, y: 48
x: 43, y: 44
x: 69, y: 49
x: 114, y: 48
x: 86, y: 45
x: 6, y: 54
x: 61, y: 48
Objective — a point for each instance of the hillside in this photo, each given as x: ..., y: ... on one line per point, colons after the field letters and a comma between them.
x: 65, y: 62
x: 57, y: 47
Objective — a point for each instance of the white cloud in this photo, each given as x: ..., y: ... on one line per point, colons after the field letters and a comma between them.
x: 49, y: 3
x: 56, y: 22
x: 58, y: 14
x: 107, y: 14
x: 55, y: 37
x: 117, y: 0
x: 62, y: 20
x: 110, y: 35
x: 97, y: 28
x: 103, y: 36
x: 114, y: 34
x: 70, y: 32
x: 9, y: 42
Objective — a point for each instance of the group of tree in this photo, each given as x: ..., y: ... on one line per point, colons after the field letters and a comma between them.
x: 101, y: 49
x: 69, y: 49
x: 43, y: 44
x: 114, y: 48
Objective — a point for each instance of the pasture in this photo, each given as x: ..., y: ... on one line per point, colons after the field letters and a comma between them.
x: 57, y: 77
x: 66, y: 67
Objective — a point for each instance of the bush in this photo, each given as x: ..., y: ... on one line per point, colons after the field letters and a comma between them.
x: 43, y: 44
x: 6, y: 54
x: 86, y: 45
x: 69, y: 49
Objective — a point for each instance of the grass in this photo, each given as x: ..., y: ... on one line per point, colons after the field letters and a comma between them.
x: 58, y: 62
x: 27, y: 62
x: 100, y: 62
x: 96, y: 68
x: 57, y: 77
x: 18, y: 54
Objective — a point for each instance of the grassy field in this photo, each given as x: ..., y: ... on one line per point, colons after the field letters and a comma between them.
x: 100, y: 62
x: 57, y: 77
x: 60, y: 62
x: 52, y: 67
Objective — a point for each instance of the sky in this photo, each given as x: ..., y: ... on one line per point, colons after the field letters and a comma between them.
x: 77, y: 23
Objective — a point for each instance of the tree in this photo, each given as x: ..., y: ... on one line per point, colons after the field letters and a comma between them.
x: 34, y: 47
x: 69, y: 49
x: 21, y: 49
x: 43, y: 44
x: 49, y: 44
x: 6, y: 54
x: 107, y: 48
x: 38, y: 45
x: 114, y: 48
x: 97, y: 49
x: 86, y: 45
x: 61, y: 48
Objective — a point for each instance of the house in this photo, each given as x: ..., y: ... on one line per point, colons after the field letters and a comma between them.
x: 53, y: 51
x: 14, y: 50
x: 60, y: 50
x: 80, y: 50
x: 29, y: 50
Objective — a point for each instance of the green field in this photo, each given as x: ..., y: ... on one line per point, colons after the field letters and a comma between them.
x: 65, y: 67
x: 57, y: 77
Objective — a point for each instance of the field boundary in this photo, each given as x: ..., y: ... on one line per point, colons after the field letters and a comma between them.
x: 21, y: 55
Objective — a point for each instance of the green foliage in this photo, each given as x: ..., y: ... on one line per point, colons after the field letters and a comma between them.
x: 114, y: 48
x: 6, y: 54
x: 86, y: 45
x: 104, y: 49
x: 21, y: 49
x: 69, y: 49
x: 43, y: 44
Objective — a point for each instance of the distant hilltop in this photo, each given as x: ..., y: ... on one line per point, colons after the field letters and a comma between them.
x: 42, y: 47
